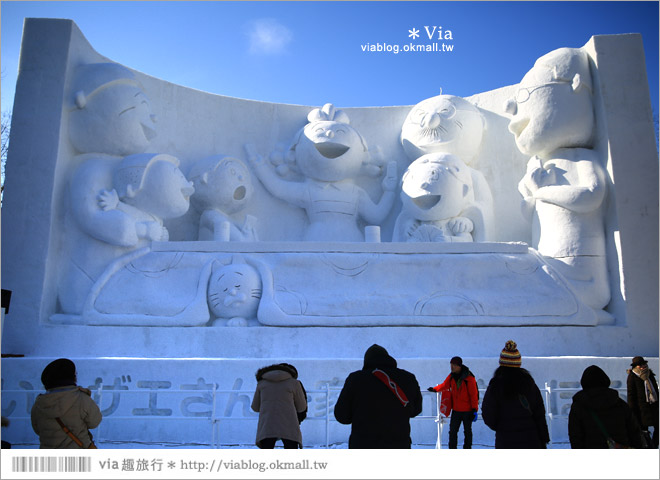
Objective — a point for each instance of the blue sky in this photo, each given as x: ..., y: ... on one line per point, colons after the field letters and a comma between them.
x: 311, y: 53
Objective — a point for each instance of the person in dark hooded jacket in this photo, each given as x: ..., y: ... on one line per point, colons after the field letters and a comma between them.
x: 513, y: 405
x: 378, y: 402
x: 597, y: 413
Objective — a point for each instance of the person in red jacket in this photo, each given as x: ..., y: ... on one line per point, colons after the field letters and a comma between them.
x: 462, y: 386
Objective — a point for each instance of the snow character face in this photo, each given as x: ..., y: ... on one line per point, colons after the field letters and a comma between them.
x: 222, y: 183
x: 111, y: 113
x: 234, y: 291
x: 154, y: 184
x: 444, y: 123
x: 330, y: 151
x: 552, y: 107
x: 436, y: 186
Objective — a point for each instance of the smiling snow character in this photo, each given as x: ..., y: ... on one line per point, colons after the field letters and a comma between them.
x: 451, y: 124
x: 330, y: 153
x: 436, y: 194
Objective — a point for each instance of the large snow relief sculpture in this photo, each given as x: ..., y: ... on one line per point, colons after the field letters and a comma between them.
x: 449, y: 124
x: 123, y: 268
x: 110, y: 117
x: 565, y: 186
x: 329, y: 153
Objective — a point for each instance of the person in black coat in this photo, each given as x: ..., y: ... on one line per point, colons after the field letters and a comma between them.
x: 643, y: 396
x: 598, y: 414
x: 379, y: 401
x: 513, y: 406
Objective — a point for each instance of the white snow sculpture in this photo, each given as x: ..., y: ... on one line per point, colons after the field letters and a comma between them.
x: 565, y: 186
x: 109, y: 112
x: 223, y: 187
x: 234, y: 293
x: 109, y: 117
x: 450, y: 124
x: 146, y: 288
x: 330, y: 154
x: 148, y: 188
x: 436, y: 190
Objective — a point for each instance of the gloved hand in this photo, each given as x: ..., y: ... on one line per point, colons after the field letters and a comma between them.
x: 476, y: 415
x: 431, y: 389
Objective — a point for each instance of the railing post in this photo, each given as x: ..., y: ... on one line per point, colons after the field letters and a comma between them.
x: 438, y: 421
x: 327, y: 415
x: 548, y: 409
x: 213, y: 426
x: 98, y: 431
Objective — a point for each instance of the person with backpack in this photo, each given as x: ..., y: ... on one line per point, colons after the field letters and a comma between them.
x: 599, y: 418
x: 513, y: 406
x: 461, y: 385
x: 378, y: 402
x: 64, y: 415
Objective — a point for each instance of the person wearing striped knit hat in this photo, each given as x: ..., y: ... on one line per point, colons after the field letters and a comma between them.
x: 513, y: 405
x: 510, y: 356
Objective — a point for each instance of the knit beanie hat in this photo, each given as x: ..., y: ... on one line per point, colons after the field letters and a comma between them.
x: 510, y: 356
x: 59, y: 373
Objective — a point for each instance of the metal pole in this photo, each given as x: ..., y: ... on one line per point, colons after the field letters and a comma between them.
x: 438, y: 421
x: 547, y: 409
x: 327, y: 415
x: 98, y: 431
x: 213, y: 426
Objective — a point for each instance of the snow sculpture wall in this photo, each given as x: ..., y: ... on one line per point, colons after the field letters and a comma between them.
x: 400, y: 217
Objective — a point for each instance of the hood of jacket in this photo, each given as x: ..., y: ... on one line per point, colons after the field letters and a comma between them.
x: 597, y: 398
x: 594, y: 377
x: 57, y: 401
x: 377, y: 357
x: 276, y: 373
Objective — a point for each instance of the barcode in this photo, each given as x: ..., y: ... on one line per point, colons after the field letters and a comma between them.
x: 51, y: 464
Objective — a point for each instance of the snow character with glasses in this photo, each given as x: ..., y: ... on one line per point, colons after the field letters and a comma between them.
x: 564, y: 189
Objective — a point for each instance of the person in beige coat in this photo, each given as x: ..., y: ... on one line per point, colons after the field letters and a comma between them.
x: 70, y: 403
x: 281, y: 402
